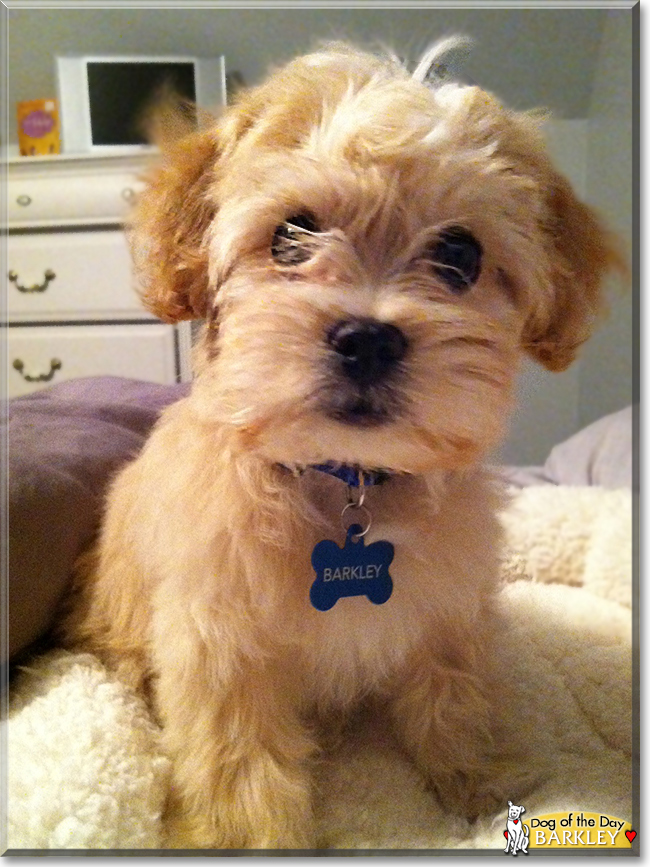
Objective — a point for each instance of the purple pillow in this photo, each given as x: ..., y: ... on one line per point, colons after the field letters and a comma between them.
x: 64, y: 444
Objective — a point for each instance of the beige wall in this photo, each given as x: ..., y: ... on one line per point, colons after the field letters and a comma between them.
x: 254, y: 39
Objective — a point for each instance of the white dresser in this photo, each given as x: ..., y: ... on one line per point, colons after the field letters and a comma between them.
x: 71, y: 305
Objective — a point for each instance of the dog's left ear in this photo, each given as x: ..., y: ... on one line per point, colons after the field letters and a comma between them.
x: 581, y: 252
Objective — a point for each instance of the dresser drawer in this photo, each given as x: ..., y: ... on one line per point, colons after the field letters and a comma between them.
x: 72, y: 200
x: 70, y: 276
x: 42, y: 355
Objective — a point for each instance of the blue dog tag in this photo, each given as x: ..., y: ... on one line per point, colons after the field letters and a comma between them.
x: 352, y: 570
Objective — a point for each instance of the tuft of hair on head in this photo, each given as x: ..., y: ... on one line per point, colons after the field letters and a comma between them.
x: 443, y: 56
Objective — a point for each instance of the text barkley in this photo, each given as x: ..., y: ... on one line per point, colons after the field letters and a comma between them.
x: 347, y: 573
x: 575, y: 837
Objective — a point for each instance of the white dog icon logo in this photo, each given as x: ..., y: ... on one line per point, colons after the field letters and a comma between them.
x: 517, y: 833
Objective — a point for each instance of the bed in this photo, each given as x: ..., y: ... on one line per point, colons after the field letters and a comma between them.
x: 85, y: 771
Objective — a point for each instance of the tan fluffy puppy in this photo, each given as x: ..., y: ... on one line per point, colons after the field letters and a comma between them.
x: 373, y: 256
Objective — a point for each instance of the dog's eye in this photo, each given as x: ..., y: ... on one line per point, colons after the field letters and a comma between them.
x: 456, y: 257
x: 290, y: 240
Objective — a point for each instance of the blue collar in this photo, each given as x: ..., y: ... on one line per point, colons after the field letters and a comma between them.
x: 352, y: 475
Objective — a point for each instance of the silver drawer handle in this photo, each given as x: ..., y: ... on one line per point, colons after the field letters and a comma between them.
x: 55, y: 365
x: 37, y: 287
x: 128, y: 194
x: 24, y: 201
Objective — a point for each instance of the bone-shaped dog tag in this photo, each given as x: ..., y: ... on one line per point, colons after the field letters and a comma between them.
x: 352, y: 570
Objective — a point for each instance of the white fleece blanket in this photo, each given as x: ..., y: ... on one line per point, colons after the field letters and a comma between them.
x: 85, y: 772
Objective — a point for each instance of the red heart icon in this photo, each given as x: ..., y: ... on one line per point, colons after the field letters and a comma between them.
x: 505, y: 834
x: 515, y: 821
x: 630, y: 835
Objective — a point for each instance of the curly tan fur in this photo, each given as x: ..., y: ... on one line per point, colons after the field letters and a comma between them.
x: 199, y: 584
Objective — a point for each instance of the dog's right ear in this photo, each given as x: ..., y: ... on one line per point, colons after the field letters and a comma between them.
x: 168, y: 226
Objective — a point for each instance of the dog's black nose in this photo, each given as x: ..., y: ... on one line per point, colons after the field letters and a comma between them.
x: 368, y: 349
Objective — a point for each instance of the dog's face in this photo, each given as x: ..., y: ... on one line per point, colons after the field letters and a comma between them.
x: 514, y: 812
x: 372, y: 257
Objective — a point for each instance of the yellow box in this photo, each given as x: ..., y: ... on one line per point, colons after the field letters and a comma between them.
x: 38, y: 127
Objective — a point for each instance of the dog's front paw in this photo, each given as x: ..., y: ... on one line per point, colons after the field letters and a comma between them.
x: 468, y: 795
x: 186, y: 832
x: 483, y: 791
x: 259, y: 805
x: 233, y: 829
